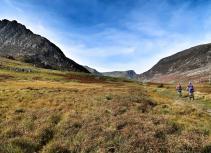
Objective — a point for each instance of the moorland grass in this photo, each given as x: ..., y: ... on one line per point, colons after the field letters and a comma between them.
x: 47, y: 111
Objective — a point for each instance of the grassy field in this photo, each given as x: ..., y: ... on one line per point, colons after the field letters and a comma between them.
x: 47, y: 111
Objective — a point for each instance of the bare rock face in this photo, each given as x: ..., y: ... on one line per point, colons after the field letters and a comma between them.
x: 18, y: 42
x: 193, y: 63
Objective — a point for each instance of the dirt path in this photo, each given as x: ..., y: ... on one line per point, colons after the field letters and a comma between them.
x: 202, y: 101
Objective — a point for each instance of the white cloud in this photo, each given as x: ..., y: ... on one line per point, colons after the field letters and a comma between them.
x: 139, y: 46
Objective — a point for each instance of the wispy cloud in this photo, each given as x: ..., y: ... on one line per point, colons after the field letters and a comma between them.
x: 118, y: 35
x: 10, y: 4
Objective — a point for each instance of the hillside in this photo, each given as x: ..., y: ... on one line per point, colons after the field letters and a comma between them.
x: 50, y: 111
x: 93, y: 71
x: 190, y: 64
x: 17, y: 42
x: 131, y: 75
x: 122, y: 74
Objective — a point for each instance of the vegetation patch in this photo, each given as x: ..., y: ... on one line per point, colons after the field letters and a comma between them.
x: 45, y: 112
x: 146, y: 105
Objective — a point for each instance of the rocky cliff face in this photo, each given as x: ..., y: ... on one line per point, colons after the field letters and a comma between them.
x: 18, y: 42
x: 193, y: 63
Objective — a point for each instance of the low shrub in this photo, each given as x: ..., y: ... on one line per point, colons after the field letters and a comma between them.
x: 174, y: 128
x: 160, y: 135
x: 121, y: 125
x: 55, y: 148
x: 160, y: 85
x: 206, y: 149
x: 19, y: 110
x: 45, y: 135
x: 9, y: 148
x: 54, y: 119
x: 12, y: 133
x: 109, y: 97
x: 26, y: 145
x: 146, y: 105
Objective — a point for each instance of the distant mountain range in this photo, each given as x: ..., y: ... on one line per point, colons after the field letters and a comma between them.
x: 193, y: 64
x: 190, y: 64
x: 18, y: 42
x: 130, y: 74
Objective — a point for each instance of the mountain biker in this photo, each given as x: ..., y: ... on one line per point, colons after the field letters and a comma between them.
x: 190, y: 90
x: 179, y: 89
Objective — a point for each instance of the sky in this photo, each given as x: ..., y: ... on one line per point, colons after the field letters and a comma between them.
x: 111, y: 35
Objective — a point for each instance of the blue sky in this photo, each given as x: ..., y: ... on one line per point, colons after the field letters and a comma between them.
x: 115, y: 34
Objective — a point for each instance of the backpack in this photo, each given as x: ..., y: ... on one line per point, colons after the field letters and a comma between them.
x: 179, y: 88
x: 191, y: 89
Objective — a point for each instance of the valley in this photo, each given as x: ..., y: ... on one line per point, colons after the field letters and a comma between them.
x: 51, y: 104
x: 49, y: 111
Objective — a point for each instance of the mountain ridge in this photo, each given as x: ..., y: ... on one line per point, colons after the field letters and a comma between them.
x: 20, y: 43
x: 194, y: 62
x: 129, y: 74
x: 93, y: 71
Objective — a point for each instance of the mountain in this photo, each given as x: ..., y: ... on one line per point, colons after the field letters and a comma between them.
x: 117, y: 74
x: 190, y: 64
x: 122, y: 74
x: 18, y: 42
x: 93, y: 71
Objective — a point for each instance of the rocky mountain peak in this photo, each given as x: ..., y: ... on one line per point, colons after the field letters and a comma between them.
x: 22, y: 44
